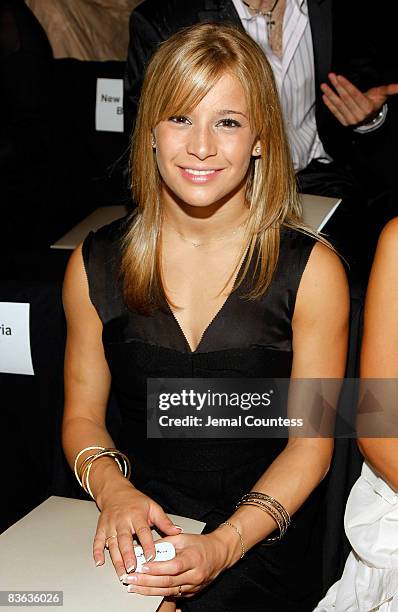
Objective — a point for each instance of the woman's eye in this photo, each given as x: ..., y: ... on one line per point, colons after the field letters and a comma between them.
x: 229, y: 123
x: 179, y: 119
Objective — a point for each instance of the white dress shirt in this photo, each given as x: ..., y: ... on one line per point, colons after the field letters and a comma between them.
x: 370, y: 577
x: 294, y: 76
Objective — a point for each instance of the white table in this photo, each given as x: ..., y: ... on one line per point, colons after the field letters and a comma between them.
x: 50, y: 549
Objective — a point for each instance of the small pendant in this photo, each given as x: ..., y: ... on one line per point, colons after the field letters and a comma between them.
x: 196, y: 244
x: 270, y: 25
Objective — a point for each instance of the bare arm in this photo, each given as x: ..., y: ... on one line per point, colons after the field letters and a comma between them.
x: 379, y: 355
x: 87, y: 377
x: 320, y: 331
x: 124, y: 510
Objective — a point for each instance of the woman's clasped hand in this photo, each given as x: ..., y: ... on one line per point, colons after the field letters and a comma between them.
x: 199, y: 559
x: 125, y: 512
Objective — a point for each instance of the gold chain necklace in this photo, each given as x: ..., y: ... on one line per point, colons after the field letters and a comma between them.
x: 267, y: 14
x: 199, y: 244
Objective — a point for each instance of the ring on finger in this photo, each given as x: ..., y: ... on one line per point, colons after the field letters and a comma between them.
x: 144, y: 528
x: 109, y: 538
x: 179, y: 591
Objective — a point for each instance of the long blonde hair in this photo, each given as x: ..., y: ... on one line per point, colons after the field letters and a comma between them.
x: 180, y: 74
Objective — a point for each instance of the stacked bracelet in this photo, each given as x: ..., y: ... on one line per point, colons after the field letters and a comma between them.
x: 82, y: 472
x: 272, y: 507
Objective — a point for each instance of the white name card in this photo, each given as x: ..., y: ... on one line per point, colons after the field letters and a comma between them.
x: 109, y: 105
x: 15, y: 355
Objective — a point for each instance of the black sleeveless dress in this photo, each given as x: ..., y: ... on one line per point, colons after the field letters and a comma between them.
x: 204, y: 478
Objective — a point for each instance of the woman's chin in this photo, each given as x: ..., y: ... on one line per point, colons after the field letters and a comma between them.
x: 199, y: 200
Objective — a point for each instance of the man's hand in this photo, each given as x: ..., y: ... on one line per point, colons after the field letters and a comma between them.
x: 349, y: 105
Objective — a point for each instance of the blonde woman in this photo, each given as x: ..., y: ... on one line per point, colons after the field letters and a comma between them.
x: 214, y: 276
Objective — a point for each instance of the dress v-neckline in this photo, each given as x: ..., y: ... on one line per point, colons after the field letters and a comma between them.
x: 204, y: 332
x: 213, y: 319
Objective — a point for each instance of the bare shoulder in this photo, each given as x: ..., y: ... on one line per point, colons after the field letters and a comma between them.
x: 390, y: 231
x: 379, y: 355
x: 320, y: 319
x: 74, y: 275
x: 383, y: 282
x: 323, y: 287
x: 324, y: 260
x: 75, y: 291
x: 387, y: 246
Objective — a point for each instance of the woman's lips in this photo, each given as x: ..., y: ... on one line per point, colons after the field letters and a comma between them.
x: 200, y: 176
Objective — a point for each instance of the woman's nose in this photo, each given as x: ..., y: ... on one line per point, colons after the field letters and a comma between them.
x: 201, y: 142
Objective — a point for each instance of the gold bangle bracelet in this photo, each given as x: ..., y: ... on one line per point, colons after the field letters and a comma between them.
x: 82, y: 468
x: 267, y: 507
x: 115, y: 454
x: 85, y: 478
x: 87, y: 468
x: 272, y: 500
x: 107, y: 452
x: 273, y: 515
x: 79, y: 454
x: 82, y: 471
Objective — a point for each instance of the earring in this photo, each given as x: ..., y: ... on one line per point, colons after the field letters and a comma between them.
x: 258, y: 150
x: 153, y: 143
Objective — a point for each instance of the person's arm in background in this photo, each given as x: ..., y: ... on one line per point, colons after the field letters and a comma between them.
x: 143, y: 41
x: 360, y: 86
x: 364, y: 111
x: 379, y: 355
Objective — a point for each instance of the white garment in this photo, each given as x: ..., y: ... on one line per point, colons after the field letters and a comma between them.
x: 294, y: 76
x: 370, y: 578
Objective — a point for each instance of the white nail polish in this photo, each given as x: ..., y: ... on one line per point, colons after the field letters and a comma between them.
x: 130, y: 569
x: 122, y: 577
x: 130, y: 588
x: 149, y: 558
x: 98, y: 563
